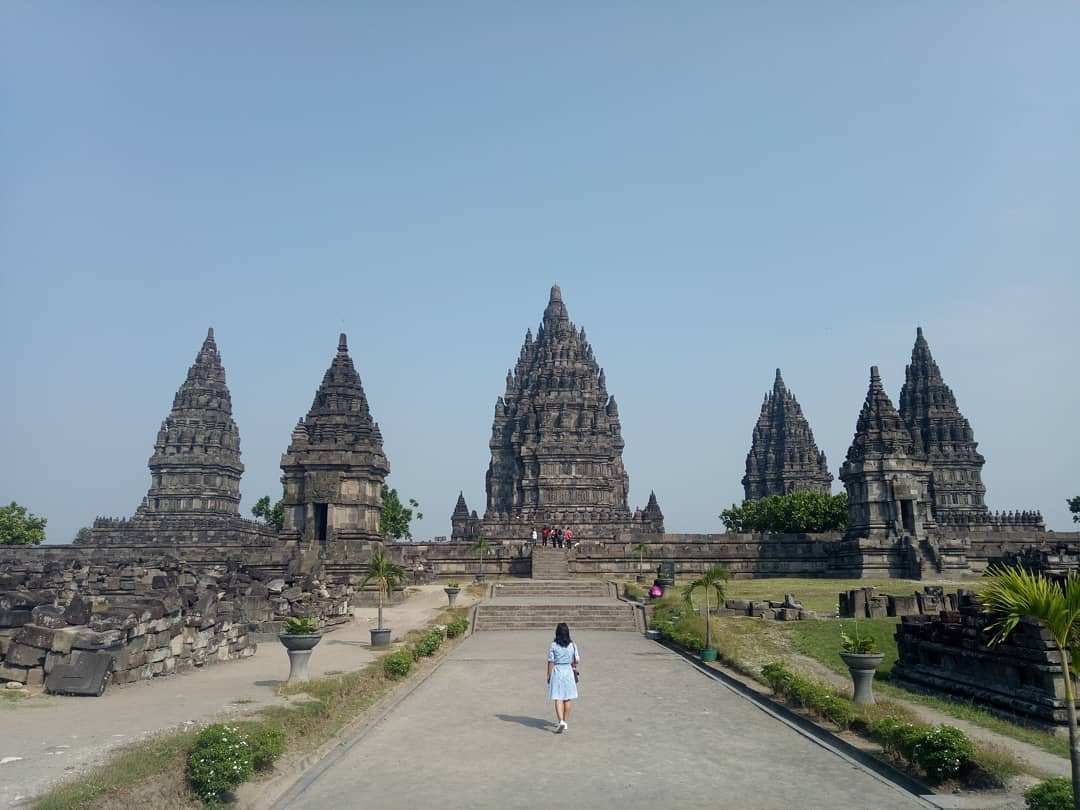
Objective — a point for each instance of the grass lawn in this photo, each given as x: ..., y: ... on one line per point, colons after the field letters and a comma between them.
x: 821, y: 595
x: 820, y: 640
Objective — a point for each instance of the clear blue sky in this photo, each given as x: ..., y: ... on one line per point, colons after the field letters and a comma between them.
x: 720, y: 189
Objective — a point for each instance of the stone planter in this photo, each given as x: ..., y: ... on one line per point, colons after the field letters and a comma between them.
x: 708, y: 655
x: 641, y: 579
x: 480, y: 577
x: 299, y: 647
x: 652, y: 635
x: 452, y: 594
x: 862, y: 668
x: 380, y: 639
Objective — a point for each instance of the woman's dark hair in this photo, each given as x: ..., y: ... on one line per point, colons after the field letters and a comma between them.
x: 562, y: 634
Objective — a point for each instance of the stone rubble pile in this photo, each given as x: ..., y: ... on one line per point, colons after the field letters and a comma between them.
x: 148, y: 619
x: 789, y: 610
x: 866, y: 603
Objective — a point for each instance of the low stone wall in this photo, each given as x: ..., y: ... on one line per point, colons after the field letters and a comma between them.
x: 949, y: 653
x: 866, y: 603
x: 151, y: 618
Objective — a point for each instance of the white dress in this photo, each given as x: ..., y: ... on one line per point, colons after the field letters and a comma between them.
x: 562, y: 685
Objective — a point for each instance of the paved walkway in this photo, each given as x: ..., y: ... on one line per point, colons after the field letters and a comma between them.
x: 47, y: 738
x: 649, y: 731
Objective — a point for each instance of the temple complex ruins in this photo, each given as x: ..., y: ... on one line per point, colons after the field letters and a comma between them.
x: 783, y: 456
x: 556, y: 445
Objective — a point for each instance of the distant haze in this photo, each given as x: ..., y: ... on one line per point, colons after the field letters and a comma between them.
x: 719, y: 190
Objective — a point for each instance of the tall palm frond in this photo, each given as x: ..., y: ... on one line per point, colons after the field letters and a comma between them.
x: 385, y: 574
x: 711, y: 581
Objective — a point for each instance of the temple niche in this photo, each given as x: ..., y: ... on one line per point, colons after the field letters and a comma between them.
x: 886, y: 473
x: 783, y: 456
x: 334, y: 467
x: 195, y: 469
x: 556, y: 445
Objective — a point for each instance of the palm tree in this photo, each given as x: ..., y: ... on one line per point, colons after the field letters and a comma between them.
x: 386, y: 576
x: 1014, y: 594
x: 712, y: 581
x: 641, y: 549
x: 482, y: 546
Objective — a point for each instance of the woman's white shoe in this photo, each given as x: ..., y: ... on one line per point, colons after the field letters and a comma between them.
x: 562, y: 727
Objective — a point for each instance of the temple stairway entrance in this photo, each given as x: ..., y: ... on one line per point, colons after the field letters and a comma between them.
x: 550, y: 563
x: 536, y: 605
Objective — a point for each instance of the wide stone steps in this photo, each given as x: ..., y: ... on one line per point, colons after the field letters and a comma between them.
x: 493, y: 616
x: 553, y: 588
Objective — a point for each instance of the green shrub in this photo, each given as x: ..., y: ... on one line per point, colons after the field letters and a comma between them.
x: 1053, y: 794
x: 428, y: 644
x: 632, y: 591
x: 457, y: 627
x: 396, y: 665
x: 794, y: 513
x: 943, y: 752
x: 301, y: 627
x: 267, y: 744
x: 220, y: 760
x: 822, y: 700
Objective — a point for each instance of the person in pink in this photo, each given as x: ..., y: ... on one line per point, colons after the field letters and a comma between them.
x: 568, y: 536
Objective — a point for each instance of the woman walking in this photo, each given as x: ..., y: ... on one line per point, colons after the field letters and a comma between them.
x: 562, y: 674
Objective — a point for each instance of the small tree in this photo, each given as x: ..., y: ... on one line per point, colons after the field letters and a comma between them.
x: 712, y: 581
x: 270, y: 515
x: 1074, y: 507
x: 793, y: 513
x: 641, y: 549
x: 20, y: 527
x: 396, y: 517
x: 1014, y: 593
x: 385, y: 574
x: 482, y: 547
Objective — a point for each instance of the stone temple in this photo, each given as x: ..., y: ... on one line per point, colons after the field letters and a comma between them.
x: 334, y: 467
x: 929, y: 410
x: 783, y: 456
x: 195, y: 469
x: 556, y: 445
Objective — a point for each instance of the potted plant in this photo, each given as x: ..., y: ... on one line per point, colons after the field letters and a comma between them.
x: 482, y: 547
x: 641, y: 549
x: 299, y: 637
x: 452, y: 590
x: 862, y: 656
x: 386, y: 575
x: 712, y: 581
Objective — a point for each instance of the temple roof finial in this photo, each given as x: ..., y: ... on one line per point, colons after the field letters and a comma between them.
x: 210, y: 333
x: 556, y: 293
x: 342, y: 343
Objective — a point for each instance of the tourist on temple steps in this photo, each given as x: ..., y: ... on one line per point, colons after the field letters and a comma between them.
x: 562, y: 674
x: 568, y: 537
x: 545, y: 533
x: 534, y: 536
x: 558, y: 538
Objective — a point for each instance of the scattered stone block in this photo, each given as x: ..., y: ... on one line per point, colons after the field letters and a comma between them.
x: 24, y: 656
x: 48, y: 616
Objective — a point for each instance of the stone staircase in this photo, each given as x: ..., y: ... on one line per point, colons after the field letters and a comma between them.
x: 549, y: 563
x: 540, y: 605
x: 548, y: 588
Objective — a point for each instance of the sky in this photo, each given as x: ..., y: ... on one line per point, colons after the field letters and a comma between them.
x: 720, y: 189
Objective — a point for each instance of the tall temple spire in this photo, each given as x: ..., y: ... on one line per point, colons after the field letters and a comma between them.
x: 783, y: 456
x: 885, y: 473
x: 334, y: 467
x: 928, y: 408
x: 195, y: 467
x: 556, y: 440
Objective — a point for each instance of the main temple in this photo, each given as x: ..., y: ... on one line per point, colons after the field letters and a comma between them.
x: 556, y: 446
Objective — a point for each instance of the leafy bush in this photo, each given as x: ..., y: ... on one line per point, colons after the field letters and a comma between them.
x: 1053, y: 794
x: 632, y: 591
x: 822, y: 700
x: 943, y: 752
x: 678, y: 623
x: 267, y: 744
x: 396, y: 665
x: 301, y: 627
x: 857, y: 643
x: 220, y: 760
x: 457, y: 627
x: 428, y: 644
x: 794, y: 513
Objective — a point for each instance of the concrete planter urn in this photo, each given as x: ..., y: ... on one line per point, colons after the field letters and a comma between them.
x: 452, y: 592
x: 380, y: 639
x: 299, y: 647
x: 862, y: 667
x: 708, y: 655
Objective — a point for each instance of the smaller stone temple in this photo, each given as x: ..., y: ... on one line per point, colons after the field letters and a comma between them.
x: 334, y: 467
x: 886, y: 475
x: 783, y: 456
x: 195, y: 469
x: 928, y: 408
